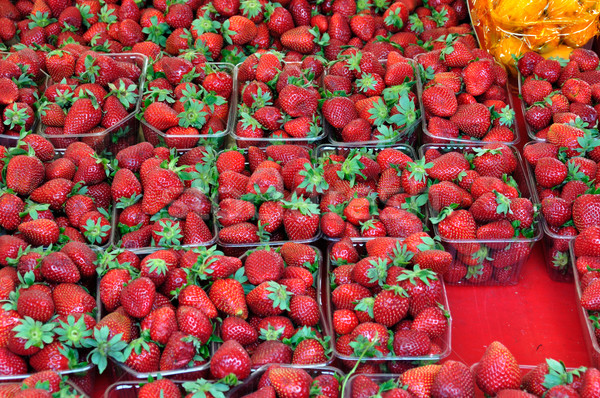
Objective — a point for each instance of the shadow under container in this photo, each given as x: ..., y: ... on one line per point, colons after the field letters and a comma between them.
x: 119, y: 371
x: 556, y: 247
x: 506, y: 255
x: 323, y: 320
x: 245, y: 142
x: 444, y: 342
x: 428, y: 138
x: 591, y: 342
x: 182, y: 142
x: 408, y: 135
x: 250, y: 385
x: 326, y: 150
x: 125, y: 131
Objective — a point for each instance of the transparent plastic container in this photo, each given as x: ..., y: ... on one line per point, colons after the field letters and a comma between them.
x: 556, y: 253
x: 445, y: 342
x: 407, y: 136
x: 591, y: 342
x: 323, y: 321
x: 329, y: 149
x: 516, y: 250
x: 250, y: 385
x: 102, y: 140
x: 217, y: 140
x: 115, y: 235
x: 428, y: 138
x: 245, y: 142
x: 237, y: 250
x: 120, y: 371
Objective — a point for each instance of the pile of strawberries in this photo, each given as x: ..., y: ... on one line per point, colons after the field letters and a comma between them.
x: 20, y: 74
x: 564, y: 91
x: 45, y: 384
x: 497, y: 374
x: 465, y: 96
x: 267, y: 195
x: 565, y: 173
x: 266, y: 298
x: 163, y: 199
x: 91, y: 97
x: 371, y: 192
x: 367, y: 100
x: 388, y: 301
x: 278, y: 100
x: 187, y: 103
x: 49, y: 201
x: 48, y: 317
x: 480, y: 195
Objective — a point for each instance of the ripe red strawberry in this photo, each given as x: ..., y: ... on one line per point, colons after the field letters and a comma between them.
x: 231, y: 357
x: 472, y: 119
x: 497, y: 370
x: 453, y: 379
x: 137, y: 297
x: 290, y: 382
x: 228, y: 297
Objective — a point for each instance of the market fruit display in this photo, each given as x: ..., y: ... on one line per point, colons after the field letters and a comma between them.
x: 227, y: 198
x: 371, y: 192
x: 91, y: 97
x: 465, y: 96
x: 559, y: 92
x: 388, y: 300
x: 483, y: 211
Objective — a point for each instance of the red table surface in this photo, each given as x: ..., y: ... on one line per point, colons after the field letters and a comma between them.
x: 536, y: 319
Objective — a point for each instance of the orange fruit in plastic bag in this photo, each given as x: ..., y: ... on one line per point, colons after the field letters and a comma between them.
x: 511, y: 14
x: 506, y: 47
x: 576, y: 35
x: 542, y: 37
x: 561, y: 51
x: 561, y: 9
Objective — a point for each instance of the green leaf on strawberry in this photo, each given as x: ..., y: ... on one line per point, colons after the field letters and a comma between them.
x: 35, y: 333
x: 73, y: 332
x: 103, y: 348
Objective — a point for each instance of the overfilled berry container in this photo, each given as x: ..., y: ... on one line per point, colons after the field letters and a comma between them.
x: 153, y: 263
x: 251, y: 384
x: 493, y: 205
x: 212, y: 133
x: 303, y: 336
x: 267, y: 195
x: 432, y: 304
x: 564, y: 180
x: 375, y: 177
x: 260, y: 112
x: 392, y: 119
x: 122, y: 128
x: 458, y: 113
x: 170, y: 210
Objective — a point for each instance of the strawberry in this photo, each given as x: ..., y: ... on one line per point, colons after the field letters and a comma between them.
x: 230, y: 358
x: 163, y: 387
x: 454, y: 378
x: 290, y: 382
x: 497, y: 370
x: 137, y: 297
